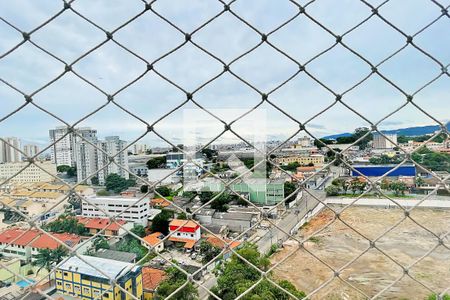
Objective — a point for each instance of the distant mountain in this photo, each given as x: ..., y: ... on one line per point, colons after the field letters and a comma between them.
x: 410, y: 131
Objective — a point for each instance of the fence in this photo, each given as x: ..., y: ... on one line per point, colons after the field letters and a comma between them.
x: 246, y: 17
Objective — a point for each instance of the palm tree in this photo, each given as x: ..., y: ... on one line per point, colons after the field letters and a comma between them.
x: 46, y: 258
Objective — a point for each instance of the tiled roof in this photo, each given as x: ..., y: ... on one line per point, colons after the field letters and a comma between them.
x: 37, y: 239
x: 220, y: 243
x: 100, y: 223
x: 188, y: 243
x: 153, y: 239
x: 45, y: 241
x: 151, y: 278
x: 159, y: 202
x: 183, y: 223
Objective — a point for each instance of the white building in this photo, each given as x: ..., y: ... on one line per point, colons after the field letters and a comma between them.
x: 184, y: 231
x: 112, y: 145
x: 8, y: 150
x: 138, y: 149
x: 30, y: 150
x: 116, y: 206
x: 62, y: 152
x: 30, y: 174
x: 381, y: 142
x: 86, y: 154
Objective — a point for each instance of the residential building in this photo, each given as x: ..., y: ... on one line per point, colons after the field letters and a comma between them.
x: 31, y: 173
x: 154, y: 240
x: 138, y: 169
x: 30, y: 150
x: 184, y: 231
x: 133, y: 210
x: 222, y: 243
x: 25, y: 244
x: 88, y: 277
x: 86, y: 153
x: 303, y: 160
x: 388, y: 141
x: 9, y: 150
x: 138, y: 149
x: 151, y: 279
x: 11, y: 264
x: 105, y: 227
x: 62, y: 149
x: 112, y: 145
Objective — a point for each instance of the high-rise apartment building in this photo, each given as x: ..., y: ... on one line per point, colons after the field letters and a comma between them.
x: 111, y: 146
x: 30, y: 150
x: 381, y: 142
x: 86, y: 153
x: 8, y: 150
x: 62, y: 150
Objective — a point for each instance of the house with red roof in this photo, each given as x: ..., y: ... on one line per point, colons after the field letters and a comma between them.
x: 154, y: 240
x: 23, y: 244
x: 95, y: 225
x: 184, y: 231
x: 151, y: 279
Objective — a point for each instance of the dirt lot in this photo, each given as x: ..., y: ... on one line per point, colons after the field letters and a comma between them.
x: 372, y: 272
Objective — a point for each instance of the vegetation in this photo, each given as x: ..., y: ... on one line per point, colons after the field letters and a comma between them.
x: 138, y: 230
x: 342, y: 186
x: 66, y: 223
x: 291, y: 166
x: 221, y: 202
x: 47, y: 258
x: 164, y: 191
x: 132, y: 245
x: 209, y: 153
x: 385, y: 160
x: 103, y: 193
x: 94, y: 180
x: 208, y: 251
x: 157, y: 162
x: 117, y: 184
x: 175, y: 279
x: 421, y: 138
x: 431, y: 160
x: 219, y: 168
x: 236, y: 277
x: 436, y: 297
x: 289, y: 188
x: 100, y: 243
x: 161, y: 222
x: 319, y: 143
x: 70, y: 171
x: 396, y: 186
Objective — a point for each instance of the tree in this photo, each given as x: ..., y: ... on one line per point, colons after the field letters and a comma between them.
x: 103, y: 193
x: 144, y: 189
x: 157, y: 162
x: 62, y: 168
x: 236, y: 277
x: 132, y: 245
x: 291, y: 166
x: 138, y: 230
x: 164, y: 191
x: 175, y: 279
x: 332, y: 190
x: 47, y: 258
x: 94, y: 180
x: 435, y: 297
x: 289, y: 188
x: 161, y: 222
x: 117, y: 184
x: 205, y: 196
x: 419, y: 181
x: 100, y: 243
x: 208, y: 251
x: 65, y: 223
x: 209, y: 153
x: 398, y: 187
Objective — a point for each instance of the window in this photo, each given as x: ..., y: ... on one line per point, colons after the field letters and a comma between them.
x: 192, y: 235
x: 66, y: 274
x: 58, y: 283
x: 77, y: 289
x: 68, y: 286
x: 106, y: 295
x: 86, y: 290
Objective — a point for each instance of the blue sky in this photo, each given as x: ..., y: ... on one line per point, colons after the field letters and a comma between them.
x: 110, y: 67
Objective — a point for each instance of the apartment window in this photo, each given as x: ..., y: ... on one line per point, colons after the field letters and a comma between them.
x: 68, y: 286
x: 86, y: 290
x: 66, y: 274
x: 77, y: 289
x: 192, y: 235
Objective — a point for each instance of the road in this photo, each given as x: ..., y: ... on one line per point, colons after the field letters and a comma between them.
x: 305, y: 204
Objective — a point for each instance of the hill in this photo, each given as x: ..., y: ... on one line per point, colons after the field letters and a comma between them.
x: 409, y: 131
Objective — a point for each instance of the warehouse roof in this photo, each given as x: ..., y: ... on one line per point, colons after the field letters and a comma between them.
x: 113, y: 269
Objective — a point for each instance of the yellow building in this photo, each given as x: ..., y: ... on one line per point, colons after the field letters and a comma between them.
x: 81, y: 280
x: 315, y: 159
x: 12, y: 264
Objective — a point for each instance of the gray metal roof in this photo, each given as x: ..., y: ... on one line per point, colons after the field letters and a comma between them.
x: 116, y: 255
x: 111, y: 268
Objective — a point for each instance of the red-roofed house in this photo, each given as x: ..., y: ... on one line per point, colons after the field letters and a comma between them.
x: 151, y: 279
x: 94, y: 225
x: 23, y: 244
x: 154, y: 240
x: 184, y: 231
